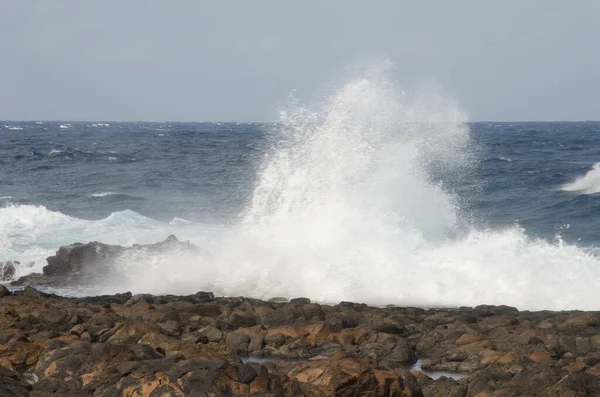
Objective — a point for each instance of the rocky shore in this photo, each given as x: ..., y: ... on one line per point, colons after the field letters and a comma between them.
x: 199, y: 345
x: 202, y: 345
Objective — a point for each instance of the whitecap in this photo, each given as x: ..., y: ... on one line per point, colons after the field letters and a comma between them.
x: 13, y: 128
x: 586, y: 184
x: 103, y: 194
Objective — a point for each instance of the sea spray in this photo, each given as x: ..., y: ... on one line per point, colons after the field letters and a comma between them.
x: 586, y: 184
x: 350, y: 205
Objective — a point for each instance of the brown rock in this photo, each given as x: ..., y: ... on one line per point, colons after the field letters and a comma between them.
x: 574, y: 367
x: 580, y: 320
x: 509, y: 358
x: 237, y: 342
x: 541, y: 357
x: 468, y: 338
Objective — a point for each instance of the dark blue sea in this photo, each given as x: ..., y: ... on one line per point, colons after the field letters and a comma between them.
x: 509, y: 215
x: 205, y: 172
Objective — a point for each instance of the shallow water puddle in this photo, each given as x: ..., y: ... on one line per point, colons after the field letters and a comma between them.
x: 415, y: 367
x: 436, y: 374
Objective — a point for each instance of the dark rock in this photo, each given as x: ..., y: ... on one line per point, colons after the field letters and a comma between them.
x: 4, y: 291
x: 7, y: 270
x: 77, y: 257
x: 31, y: 292
x: 205, y: 296
x: 490, y: 310
x: 300, y: 301
x: 95, y: 256
x: 13, y: 388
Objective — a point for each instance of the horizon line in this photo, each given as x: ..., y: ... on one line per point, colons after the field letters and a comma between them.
x: 259, y: 122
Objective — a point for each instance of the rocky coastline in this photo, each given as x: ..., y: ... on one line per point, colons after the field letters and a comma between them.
x: 202, y: 345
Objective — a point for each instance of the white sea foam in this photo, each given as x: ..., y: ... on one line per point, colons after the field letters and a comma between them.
x: 55, y: 151
x: 65, y: 126
x: 13, y: 128
x: 586, y: 184
x: 346, y: 208
x: 103, y: 194
x: 31, y: 233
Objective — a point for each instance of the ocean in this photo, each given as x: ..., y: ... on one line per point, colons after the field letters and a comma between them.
x: 368, y: 195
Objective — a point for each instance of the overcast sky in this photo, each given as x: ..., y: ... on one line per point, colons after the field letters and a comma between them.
x: 237, y: 61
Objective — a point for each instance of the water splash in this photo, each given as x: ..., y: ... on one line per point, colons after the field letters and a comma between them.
x: 350, y: 205
x: 586, y: 184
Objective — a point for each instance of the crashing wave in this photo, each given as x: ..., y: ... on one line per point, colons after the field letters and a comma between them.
x: 349, y: 205
x: 586, y: 184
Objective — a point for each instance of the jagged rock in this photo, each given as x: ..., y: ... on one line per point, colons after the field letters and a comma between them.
x: 80, y: 257
x: 180, y: 345
x: 7, y: 270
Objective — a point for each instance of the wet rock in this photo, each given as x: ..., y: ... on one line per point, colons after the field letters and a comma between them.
x: 31, y: 292
x: 300, y: 301
x: 181, y: 345
x: 8, y: 270
x: 279, y: 299
x: 77, y: 257
x: 4, y: 291
x: 96, y: 256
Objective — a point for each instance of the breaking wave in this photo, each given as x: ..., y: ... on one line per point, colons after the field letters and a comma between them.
x: 350, y: 205
x: 30, y: 233
x: 586, y: 184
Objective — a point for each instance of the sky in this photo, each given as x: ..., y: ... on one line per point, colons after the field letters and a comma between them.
x: 149, y: 60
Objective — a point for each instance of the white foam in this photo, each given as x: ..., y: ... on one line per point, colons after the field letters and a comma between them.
x: 65, y: 126
x: 586, y: 184
x: 55, y: 151
x: 13, y: 128
x: 346, y: 208
x: 103, y: 194
x: 31, y: 233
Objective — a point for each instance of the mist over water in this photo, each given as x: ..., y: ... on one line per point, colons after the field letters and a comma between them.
x: 346, y: 207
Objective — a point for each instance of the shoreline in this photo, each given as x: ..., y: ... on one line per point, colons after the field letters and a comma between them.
x: 147, y: 345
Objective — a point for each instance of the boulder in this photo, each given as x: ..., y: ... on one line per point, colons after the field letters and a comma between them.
x: 80, y: 257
